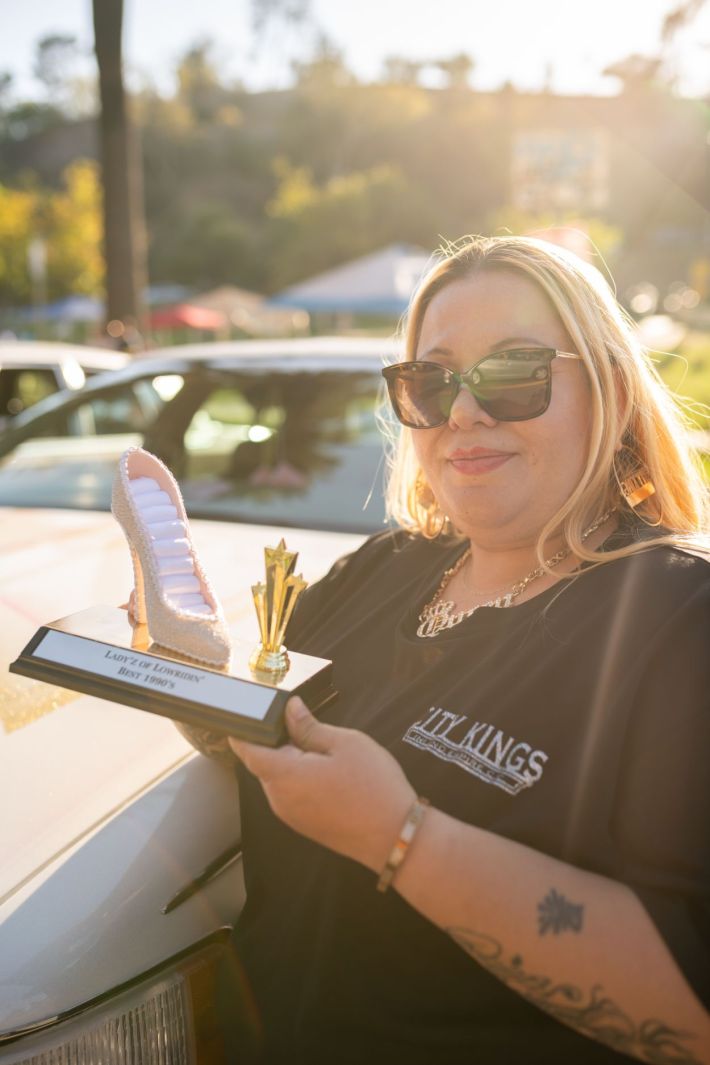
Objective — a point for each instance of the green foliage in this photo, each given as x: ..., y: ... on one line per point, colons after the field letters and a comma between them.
x: 54, y: 58
x: 206, y: 246
x: 265, y: 189
x: 325, y: 70
x: 687, y: 374
x: 599, y: 238
x: 69, y: 222
x: 74, y: 227
x: 316, y: 227
x: 17, y: 211
x: 28, y: 119
x: 199, y: 88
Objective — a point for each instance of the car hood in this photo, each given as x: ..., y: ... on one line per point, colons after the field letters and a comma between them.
x: 70, y: 762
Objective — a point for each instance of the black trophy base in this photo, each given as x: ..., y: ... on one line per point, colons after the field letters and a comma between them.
x: 100, y: 652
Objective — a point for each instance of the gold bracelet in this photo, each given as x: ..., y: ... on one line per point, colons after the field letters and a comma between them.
x: 408, y: 831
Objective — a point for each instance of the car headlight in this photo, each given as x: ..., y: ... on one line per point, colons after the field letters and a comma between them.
x: 193, y: 1010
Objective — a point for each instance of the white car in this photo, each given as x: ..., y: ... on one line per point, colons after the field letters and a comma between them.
x: 108, y: 813
x: 33, y: 369
x: 278, y: 432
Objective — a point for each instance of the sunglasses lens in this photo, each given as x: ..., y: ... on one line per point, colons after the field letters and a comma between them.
x: 421, y: 394
x: 513, y: 385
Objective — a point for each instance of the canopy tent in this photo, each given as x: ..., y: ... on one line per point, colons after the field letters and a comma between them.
x: 188, y: 316
x: 69, y: 309
x: 90, y: 309
x: 380, y: 283
x: 251, y: 313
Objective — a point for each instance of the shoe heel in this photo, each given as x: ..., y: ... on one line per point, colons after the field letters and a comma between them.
x: 139, y: 609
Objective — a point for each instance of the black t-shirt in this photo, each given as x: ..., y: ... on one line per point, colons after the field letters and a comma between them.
x: 576, y: 723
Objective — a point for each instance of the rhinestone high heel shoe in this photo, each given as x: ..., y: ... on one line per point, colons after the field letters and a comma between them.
x: 171, y: 594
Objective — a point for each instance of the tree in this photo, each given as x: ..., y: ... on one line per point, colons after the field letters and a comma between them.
x: 316, y: 227
x: 124, y: 231
x: 635, y: 71
x: 399, y: 70
x: 293, y: 12
x: 639, y: 72
x: 6, y: 80
x: 680, y: 17
x: 199, y: 87
x: 457, y: 70
x: 67, y: 221
x: 75, y: 262
x: 55, y: 56
x: 279, y: 24
x: 326, y: 69
x: 17, y: 212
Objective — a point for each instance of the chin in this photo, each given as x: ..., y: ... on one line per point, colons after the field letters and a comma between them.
x: 482, y: 520
x: 481, y: 506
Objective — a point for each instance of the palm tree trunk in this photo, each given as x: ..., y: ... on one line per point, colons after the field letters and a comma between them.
x: 124, y: 227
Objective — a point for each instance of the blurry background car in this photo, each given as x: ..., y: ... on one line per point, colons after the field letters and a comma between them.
x: 275, y: 432
x: 33, y: 369
x: 112, y: 811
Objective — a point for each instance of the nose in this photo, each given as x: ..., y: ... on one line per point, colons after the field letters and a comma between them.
x: 466, y: 411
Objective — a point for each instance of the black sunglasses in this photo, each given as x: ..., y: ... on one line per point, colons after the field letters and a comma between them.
x: 510, y: 386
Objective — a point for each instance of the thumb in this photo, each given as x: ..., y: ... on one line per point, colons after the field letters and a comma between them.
x: 305, y: 730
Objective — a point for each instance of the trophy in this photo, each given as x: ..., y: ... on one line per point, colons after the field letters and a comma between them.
x: 274, y: 601
x: 102, y: 652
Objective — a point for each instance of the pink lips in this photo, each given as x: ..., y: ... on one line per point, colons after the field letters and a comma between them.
x: 476, y: 460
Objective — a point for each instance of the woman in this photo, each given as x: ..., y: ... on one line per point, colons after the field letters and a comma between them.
x: 529, y: 653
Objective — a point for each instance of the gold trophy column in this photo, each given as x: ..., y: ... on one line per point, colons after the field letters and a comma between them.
x: 274, y: 601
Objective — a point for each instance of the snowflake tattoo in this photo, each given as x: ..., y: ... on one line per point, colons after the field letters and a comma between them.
x: 556, y: 914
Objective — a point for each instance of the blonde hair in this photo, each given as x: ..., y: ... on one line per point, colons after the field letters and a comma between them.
x: 630, y: 405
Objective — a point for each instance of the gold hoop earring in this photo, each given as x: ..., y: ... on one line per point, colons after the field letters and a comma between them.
x: 633, y: 479
x: 637, y: 487
x: 425, y: 509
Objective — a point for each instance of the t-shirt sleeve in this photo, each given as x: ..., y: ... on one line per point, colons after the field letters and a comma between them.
x: 661, y: 807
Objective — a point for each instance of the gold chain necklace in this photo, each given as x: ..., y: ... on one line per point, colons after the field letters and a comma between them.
x: 437, y: 614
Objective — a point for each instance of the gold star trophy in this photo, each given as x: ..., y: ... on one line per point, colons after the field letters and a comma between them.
x: 274, y: 600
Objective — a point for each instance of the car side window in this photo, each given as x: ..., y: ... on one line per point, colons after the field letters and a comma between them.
x: 124, y: 410
x: 290, y: 447
x: 70, y: 458
x: 274, y: 447
x: 22, y: 388
x: 119, y: 411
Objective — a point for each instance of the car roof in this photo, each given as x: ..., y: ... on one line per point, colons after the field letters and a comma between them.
x: 301, y: 355
x: 18, y: 353
x: 335, y: 347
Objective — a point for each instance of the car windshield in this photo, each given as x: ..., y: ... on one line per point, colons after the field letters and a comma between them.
x: 282, y: 448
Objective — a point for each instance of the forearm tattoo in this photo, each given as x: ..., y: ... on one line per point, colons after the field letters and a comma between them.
x: 555, y: 914
x: 591, y: 1013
